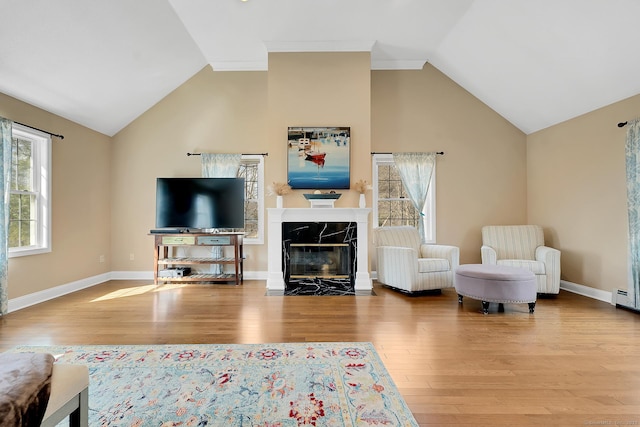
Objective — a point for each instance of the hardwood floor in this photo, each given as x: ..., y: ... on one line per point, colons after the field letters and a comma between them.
x: 575, y: 362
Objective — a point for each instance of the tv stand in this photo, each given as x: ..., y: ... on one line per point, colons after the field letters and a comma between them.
x: 165, y: 245
x: 169, y: 231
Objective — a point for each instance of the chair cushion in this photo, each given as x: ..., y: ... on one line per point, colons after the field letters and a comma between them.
x: 537, y: 267
x: 432, y: 265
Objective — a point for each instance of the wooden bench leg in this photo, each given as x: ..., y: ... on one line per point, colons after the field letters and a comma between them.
x: 485, y: 307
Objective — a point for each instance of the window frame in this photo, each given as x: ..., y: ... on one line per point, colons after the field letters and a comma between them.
x: 41, y: 161
x: 259, y: 159
x: 429, y: 208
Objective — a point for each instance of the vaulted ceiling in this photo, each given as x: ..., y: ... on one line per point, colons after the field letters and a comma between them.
x: 103, y: 63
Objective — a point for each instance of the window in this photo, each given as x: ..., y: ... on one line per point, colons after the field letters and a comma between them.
x: 252, y: 170
x: 30, y: 192
x: 391, y: 205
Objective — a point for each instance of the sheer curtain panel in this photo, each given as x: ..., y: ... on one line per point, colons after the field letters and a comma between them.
x: 5, y: 178
x: 415, y: 171
x: 632, y: 154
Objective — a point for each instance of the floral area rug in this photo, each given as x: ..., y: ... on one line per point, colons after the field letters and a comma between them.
x: 267, y: 385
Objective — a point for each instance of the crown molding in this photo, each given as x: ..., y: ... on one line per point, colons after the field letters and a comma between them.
x: 239, y: 65
x: 320, y: 46
x: 398, y: 65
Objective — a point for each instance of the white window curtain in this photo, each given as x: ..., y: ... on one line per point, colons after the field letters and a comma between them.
x: 219, y: 166
x: 5, y: 179
x: 415, y: 171
x: 632, y: 155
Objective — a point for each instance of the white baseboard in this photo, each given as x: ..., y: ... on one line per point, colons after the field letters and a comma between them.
x: 132, y: 275
x: 42, y: 296
x: 148, y: 275
x: 256, y: 275
x: 58, y: 291
x: 587, y: 291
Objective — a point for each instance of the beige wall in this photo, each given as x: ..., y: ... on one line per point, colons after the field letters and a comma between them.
x: 577, y: 192
x: 81, y: 184
x: 239, y: 113
x: 320, y: 89
x: 222, y: 112
x: 568, y: 178
x: 481, y: 179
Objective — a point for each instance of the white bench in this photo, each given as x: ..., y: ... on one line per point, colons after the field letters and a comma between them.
x: 69, y: 396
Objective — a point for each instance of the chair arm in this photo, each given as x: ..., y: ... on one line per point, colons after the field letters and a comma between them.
x: 489, y: 255
x: 546, y: 254
x: 551, y: 259
x: 398, y: 254
x: 451, y: 253
x: 396, y: 263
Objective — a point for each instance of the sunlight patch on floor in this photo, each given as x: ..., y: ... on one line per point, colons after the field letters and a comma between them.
x: 137, y: 290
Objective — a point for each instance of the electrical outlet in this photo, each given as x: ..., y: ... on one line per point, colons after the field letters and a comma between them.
x: 131, y: 257
x: 101, y: 258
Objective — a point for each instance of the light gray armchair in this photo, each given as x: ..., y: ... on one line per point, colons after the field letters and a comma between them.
x: 403, y: 263
x: 523, y: 246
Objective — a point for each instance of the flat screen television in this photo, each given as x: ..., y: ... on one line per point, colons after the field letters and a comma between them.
x: 200, y: 203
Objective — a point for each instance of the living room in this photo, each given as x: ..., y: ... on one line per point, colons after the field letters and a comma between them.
x: 569, y: 177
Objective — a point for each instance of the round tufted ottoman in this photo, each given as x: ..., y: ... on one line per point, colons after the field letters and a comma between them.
x: 496, y: 283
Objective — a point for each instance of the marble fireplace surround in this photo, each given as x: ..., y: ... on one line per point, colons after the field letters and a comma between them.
x: 277, y: 216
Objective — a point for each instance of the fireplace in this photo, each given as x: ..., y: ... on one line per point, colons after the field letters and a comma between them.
x: 319, y: 251
x: 326, y: 242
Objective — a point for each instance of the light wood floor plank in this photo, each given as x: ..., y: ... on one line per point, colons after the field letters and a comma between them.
x: 574, y: 362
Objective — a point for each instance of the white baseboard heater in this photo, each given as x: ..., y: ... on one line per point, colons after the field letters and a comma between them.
x: 623, y: 300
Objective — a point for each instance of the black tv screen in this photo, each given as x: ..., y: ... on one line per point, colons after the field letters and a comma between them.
x: 200, y: 203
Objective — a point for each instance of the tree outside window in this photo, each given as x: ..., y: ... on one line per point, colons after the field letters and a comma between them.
x: 251, y: 169
x: 29, y: 191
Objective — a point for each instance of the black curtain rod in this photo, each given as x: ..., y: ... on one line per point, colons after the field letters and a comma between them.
x: 378, y: 152
x: 623, y: 124
x: 244, y: 154
x: 41, y: 130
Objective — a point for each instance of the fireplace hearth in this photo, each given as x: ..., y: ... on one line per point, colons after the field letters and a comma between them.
x: 321, y: 287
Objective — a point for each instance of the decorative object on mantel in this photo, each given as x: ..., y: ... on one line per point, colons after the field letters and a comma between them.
x: 361, y: 186
x: 322, y: 200
x: 279, y: 189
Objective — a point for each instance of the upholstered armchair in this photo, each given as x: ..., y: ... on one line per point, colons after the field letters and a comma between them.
x: 523, y: 246
x: 404, y: 264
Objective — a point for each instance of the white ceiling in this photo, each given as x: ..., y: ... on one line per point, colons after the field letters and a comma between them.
x: 103, y: 63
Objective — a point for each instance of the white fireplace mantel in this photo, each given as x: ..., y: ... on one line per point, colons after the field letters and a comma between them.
x: 276, y: 216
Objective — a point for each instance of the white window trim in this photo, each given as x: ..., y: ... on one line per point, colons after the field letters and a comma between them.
x: 41, y: 164
x: 429, y: 209
x: 260, y: 160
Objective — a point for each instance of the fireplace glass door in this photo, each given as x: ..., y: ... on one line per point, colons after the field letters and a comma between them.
x: 319, y: 260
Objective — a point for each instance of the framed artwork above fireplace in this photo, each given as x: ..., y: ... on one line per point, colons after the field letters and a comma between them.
x: 318, y: 158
